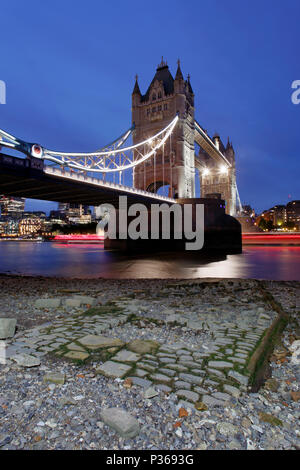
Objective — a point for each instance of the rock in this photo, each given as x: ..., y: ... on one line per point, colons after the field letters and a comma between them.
x: 200, y: 406
x: 7, y: 327
x: 164, y: 388
x: 143, y: 346
x: 75, y: 347
x: 272, y: 385
x: 210, y: 401
x: 26, y: 360
x: 66, y: 401
x: 98, y: 342
x: 72, y: 302
x: 150, y: 392
x: 85, y: 299
x: 126, y: 356
x: 127, y: 383
x: 235, y: 392
x: 227, y: 429
x: 113, y: 369
x: 295, y: 396
x: 182, y: 413
x: 77, y: 355
x: 47, y: 303
x: 191, y: 396
x: 179, y: 384
x: 193, y: 379
x: 268, y: 418
x: 220, y: 364
x: 222, y: 396
x: 161, y: 378
x: 202, y: 446
x: 121, y: 421
x: 241, y: 379
x: 54, y: 377
x: 295, y: 349
x: 140, y: 382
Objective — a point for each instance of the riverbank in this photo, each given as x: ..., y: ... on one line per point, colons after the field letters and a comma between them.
x: 175, y: 358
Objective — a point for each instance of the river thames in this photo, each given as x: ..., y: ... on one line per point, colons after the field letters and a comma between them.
x: 92, y: 261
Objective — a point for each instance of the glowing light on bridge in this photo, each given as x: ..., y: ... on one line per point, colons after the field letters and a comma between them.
x: 223, y: 170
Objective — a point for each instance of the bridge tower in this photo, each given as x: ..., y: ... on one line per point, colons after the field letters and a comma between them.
x: 175, y: 164
x: 216, y: 178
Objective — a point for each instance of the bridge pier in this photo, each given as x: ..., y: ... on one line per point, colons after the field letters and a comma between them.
x: 222, y: 233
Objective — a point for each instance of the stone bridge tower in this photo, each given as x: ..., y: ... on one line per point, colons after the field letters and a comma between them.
x: 216, y: 179
x: 175, y: 165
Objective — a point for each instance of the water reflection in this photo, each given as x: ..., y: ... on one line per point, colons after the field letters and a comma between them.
x: 92, y: 261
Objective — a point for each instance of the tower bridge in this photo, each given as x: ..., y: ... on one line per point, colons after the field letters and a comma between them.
x: 174, y: 165
x: 157, y: 150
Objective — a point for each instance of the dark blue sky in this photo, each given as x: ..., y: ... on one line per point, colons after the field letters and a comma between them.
x: 69, y: 69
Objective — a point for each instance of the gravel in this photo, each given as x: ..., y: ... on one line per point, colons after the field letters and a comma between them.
x: 36, y: 412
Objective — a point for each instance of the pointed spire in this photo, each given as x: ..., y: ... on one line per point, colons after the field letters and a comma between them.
x: 162, y: 64
x: 136, y: 89
x: 178, y: 75
x: 189, y: 84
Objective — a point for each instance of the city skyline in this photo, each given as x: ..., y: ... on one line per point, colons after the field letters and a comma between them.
x: 78, y: 90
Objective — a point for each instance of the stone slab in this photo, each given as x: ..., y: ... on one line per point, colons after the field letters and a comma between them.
x: 26, y: 360
x: 121, y: 421
x: 47, y: 303
x: 7, y: 327
x: 55, y: 378
x: 126, y: 356
x: 98, y: 342
x: 142, y: 346
x: 77, y: 355
x: 113, y: 369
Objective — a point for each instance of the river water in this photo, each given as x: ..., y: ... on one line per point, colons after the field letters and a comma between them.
x: 92, y: 261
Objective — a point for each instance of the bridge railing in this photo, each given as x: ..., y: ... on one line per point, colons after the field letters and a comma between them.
x: 96, y: 181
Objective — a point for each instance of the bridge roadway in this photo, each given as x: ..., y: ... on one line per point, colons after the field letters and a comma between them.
x: 29, y: 178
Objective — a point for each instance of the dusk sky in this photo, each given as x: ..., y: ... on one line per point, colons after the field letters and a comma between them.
x: 69, y: 70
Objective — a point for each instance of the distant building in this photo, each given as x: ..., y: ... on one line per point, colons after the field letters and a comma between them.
x: 30, y: 226
x: 12, y: 206
x: 279, y: 215
x: 72, y: 213
x: 293, y: 213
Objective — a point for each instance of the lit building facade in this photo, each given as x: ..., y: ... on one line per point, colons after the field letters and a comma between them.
x: 12, y: 206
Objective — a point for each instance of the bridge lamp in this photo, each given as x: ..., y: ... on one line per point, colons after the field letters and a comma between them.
x: 36, y: 150
x: 223, y: 170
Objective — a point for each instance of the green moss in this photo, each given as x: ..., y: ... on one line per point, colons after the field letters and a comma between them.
x: 267, y: 418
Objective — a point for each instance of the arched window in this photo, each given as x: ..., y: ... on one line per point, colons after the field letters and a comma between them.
x: 159, y: 95
x: 153, y: 97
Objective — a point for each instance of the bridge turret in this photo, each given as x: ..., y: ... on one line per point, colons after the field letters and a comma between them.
x: 179, y: 80
x: 229, y: 152
x: 136, y: 100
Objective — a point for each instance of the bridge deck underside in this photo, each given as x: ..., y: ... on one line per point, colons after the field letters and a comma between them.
x: 35, y: 184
